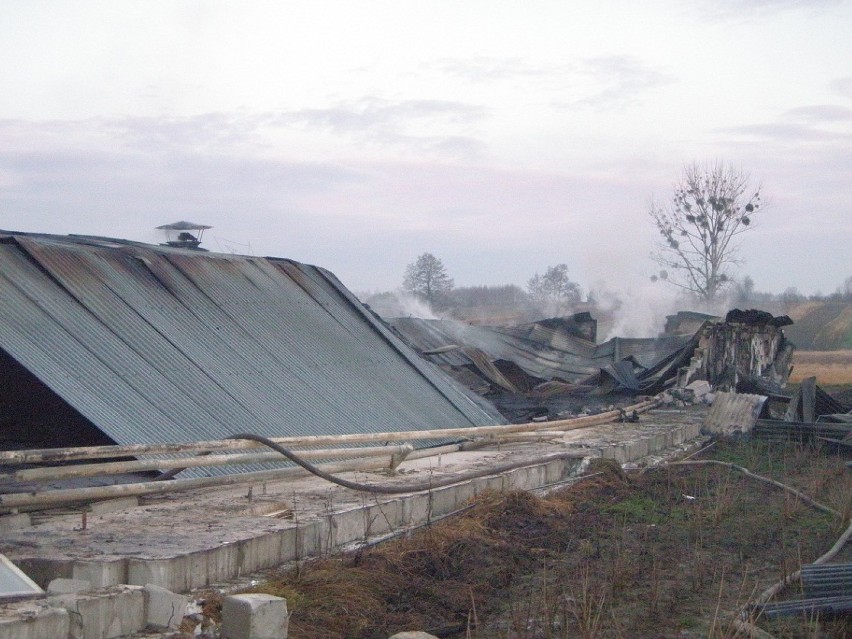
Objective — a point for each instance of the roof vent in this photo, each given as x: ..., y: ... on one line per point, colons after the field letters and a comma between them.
x: 179, y: 234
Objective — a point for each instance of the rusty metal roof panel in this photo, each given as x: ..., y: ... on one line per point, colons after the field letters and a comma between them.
x: 161, y: 345
x: 536, y: 359
x: 532, y: 347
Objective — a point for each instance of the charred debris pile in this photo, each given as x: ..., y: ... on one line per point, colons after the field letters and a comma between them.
x: 555, y: 368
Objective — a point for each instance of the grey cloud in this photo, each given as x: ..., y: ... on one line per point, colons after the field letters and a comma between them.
x: 485, y: 69
x: 127, y: 175
x: 787, y: 132
x: 622, y: 79
x: 457, y: 146
x: 741, y: 10
x: 371, y: 113
x: 201, y: 132
x: 625, y: 78
x: 396, y: 123
x: 821, y: 113
x: 208, y: 131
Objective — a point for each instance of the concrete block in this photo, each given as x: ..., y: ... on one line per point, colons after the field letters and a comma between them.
x: 700, y: 388
x: 15, y: 521
x: 560, y: 469
x: 254, y: 616
x: 289, y: 545
x: 513, y: 479
x: 416, y: 509
x: 113, y: 505
x: 196, y: 570
x: 101, y: 574
x: 314, y: 538
x: 535, y: 477
x: 34, y: 621
x: 257, y: 553
x: 382, y: 518
x: 167, y: 573
x: 443, y: 501
x: 494, y: 483
x: 222, y: 564
x: 106, y: 615
x: 618, y: 453
x: 63, y: 586
x: 164, y: 609
x: 464, y: 493
x: 346, y: 527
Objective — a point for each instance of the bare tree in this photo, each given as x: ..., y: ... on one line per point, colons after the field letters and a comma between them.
x: 554, y: 288
x: 711, y: 206
x: 427, y: 278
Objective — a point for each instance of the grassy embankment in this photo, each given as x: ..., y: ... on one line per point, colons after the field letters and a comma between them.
x: 831, y: 368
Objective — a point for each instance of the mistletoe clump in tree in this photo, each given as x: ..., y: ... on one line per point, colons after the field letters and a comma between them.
x: 711, y: 206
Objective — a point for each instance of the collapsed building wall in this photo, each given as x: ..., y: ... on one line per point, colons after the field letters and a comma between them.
x: 746, y: 352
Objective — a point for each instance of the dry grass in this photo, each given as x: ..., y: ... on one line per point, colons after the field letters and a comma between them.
x: 670, y: 553
x: 829, y: 367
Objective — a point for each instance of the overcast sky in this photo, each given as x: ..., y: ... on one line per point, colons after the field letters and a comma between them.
x: 501, y: 136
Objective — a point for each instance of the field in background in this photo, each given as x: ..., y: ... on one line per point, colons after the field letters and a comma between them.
x: 831, y: 368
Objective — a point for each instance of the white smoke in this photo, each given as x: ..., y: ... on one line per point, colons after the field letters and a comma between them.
x: 399, y: 304
x: 413, y: 306
x: 638, y: 310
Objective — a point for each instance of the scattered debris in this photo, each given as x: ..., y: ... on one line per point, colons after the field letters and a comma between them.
x: 733, y: 413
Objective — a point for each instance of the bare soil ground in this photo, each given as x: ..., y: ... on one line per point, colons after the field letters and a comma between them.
x: 671, y: 552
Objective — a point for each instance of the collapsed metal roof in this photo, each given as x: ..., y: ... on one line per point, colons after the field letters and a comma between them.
x: 157, y: 345
x: 537, y: 348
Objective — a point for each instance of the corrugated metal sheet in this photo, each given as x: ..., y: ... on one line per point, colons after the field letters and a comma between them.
x: 778, y: 429
x: 534, y: 350
x: 160, y: 345
x: 810, y: 608
x: 623, y: 374
x: 828, y: 592
x: 733, y: 412
x: 827, y: 580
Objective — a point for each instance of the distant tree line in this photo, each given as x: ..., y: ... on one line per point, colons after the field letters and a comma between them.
x: 552, y: 292
x: 744, y: 294
x: 508, y: 295
x: 699, y: 225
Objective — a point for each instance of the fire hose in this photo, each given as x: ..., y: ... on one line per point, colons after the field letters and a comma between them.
x: 397, y: 489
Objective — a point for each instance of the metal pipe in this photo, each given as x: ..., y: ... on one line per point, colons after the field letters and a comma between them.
x: 49, y: 498
x: 41, y: 499
x: 96, y: 452
x: 111, y: 468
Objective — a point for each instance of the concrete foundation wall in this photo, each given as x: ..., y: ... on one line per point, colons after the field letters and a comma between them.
x: 121, y: 609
